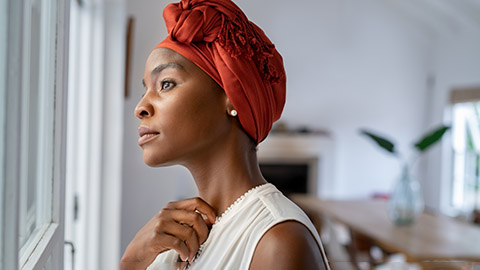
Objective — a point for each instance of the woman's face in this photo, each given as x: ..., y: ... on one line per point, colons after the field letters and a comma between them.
x: 183, y: 112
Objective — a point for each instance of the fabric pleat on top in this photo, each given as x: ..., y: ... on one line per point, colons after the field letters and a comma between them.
x: 217, y: 37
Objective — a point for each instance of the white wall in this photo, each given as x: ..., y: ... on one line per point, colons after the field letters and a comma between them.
x: 349, y: 65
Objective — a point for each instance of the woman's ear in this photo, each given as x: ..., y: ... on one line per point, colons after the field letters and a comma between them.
x: 231, y: 111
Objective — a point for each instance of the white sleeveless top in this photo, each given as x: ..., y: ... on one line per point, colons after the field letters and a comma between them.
x: 233, y: 238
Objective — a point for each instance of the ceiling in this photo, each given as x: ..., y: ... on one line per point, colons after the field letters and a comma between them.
x: 439, y: 17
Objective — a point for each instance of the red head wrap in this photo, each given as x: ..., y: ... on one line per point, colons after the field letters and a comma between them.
x: 217, y: 36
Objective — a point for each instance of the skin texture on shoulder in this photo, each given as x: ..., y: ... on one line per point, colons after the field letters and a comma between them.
x: 287, y: 246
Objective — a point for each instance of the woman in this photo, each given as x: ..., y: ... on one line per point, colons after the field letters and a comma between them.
x: 213, y: 88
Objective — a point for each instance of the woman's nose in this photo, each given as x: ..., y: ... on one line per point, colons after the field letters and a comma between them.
x: 144, y: 108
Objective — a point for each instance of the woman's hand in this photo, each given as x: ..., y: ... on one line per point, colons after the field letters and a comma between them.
x: 182, y: 226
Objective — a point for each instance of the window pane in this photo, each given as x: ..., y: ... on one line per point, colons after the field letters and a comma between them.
x: 466, y: 144
x: 37, y: 119
x: 3, y: 59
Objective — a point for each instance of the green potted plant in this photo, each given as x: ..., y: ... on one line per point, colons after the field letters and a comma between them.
x: 406, y: 201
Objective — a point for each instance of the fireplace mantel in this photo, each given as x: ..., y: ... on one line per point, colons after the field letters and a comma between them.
x: 318, y: 151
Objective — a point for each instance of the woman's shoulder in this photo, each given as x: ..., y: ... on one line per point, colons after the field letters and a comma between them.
x: 290, y: 240
x: 288, y: 245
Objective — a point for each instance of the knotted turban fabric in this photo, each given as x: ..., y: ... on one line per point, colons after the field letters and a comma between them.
x: 217, y: 36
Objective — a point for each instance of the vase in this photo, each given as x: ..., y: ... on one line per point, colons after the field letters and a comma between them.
x: 406, y: 202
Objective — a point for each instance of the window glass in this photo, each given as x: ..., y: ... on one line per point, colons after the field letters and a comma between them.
x: 466, y: 164
x: 37, y: 124
x: 3, y: 59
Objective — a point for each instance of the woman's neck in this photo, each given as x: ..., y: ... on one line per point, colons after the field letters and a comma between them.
x: 226, y: 173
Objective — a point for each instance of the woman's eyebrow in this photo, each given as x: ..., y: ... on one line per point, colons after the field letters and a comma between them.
x: 160, y: 68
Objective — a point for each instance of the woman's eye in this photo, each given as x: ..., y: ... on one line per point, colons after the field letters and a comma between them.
x: 166, y: 85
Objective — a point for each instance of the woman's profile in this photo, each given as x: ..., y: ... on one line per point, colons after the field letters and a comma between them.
x: 213, y: 89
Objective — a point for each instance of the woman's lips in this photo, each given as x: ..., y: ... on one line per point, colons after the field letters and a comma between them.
x: 146, y: 135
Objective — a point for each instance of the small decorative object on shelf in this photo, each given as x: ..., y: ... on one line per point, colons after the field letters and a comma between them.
x: 406, y: 201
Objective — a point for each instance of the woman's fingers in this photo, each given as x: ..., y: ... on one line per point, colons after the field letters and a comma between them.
x: 186, y: 235
x: 172, y: 242
x: 192, y: 219
x: 183, y: 221
x: 186, y: 225
x: 195, y: 204
x: 191, y: 240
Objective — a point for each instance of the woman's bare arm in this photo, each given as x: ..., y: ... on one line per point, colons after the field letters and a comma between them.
x: 288, y: 245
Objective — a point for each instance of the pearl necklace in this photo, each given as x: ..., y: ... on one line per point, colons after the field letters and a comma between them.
x: 219, y: 218
x: 236, y: 202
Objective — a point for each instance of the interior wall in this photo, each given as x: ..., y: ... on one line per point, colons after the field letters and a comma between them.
x: 349, y: 65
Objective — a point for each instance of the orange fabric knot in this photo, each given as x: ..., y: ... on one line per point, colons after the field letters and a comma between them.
x: 201, y: 23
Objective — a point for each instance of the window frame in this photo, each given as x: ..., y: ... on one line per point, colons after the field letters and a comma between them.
x: 94, y: 158
x: 48, y: 251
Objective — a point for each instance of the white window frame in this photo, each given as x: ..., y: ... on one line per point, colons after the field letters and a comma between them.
x: 47, y: 252
x: 95, y: 127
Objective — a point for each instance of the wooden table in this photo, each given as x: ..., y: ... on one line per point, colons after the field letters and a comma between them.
x: 431, y: 237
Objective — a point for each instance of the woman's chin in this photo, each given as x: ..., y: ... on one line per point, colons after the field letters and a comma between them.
x: 149, y: 164
x: 149, y: 160
x: 155, y: 161
x: 152, y: 162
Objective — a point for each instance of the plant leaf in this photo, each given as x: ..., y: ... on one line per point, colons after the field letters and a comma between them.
x: 382, y: 142
x: 431, y: 138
